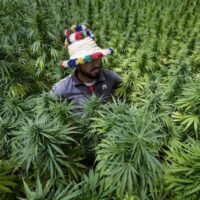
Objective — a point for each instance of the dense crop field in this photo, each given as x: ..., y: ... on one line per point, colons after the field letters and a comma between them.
x: 145, y: 142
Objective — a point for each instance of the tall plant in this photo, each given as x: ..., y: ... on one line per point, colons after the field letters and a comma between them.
x: 44, y: 144
x: 182, y: 170
x: 127, y: 156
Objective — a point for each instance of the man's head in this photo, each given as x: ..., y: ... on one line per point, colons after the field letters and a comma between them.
x: 83, y: 49
x: 89, y: 70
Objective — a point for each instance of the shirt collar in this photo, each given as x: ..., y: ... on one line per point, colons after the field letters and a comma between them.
x: 77, y: 82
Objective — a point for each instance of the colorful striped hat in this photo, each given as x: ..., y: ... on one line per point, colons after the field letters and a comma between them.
x: 82, y: 47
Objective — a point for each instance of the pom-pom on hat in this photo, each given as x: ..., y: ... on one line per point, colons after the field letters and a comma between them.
x: 82, y: 47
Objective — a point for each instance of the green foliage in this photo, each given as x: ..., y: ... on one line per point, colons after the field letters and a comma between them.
x: 93, y: 188
x: 48, y: 192
x: 39, y: 193
x: 156, y: 52
x: 127, y: 157
x: 182, y: 170
x: 49, y: 105
x: 38, y: 144
x: 188, y: 109
x: 131, y: 84
x: 12, y: 108
x: 6, y: 127
x: 6, y: 183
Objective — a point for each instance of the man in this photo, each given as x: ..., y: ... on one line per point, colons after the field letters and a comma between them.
x: 89, y: 78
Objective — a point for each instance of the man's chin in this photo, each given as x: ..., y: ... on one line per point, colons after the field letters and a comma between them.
x: 94, y: 75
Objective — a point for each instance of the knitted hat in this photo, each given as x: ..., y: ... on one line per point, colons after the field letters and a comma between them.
x: 82, y: 47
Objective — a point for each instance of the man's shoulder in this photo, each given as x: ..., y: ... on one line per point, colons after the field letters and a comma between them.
x: 109, y: 74
x: 112, y: 78
x: 63, y: 87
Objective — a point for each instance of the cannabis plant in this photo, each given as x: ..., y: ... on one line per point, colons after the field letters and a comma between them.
x: 182, y: 170
x: 6, y: 127
x: 127, y: 156
x: 44, y: 144
x: 6, y: 182
x: 188, y: 109
x: 12, y: 108
x: 48, y: 104
x: 87, y: 138
x: 49, y: 191
x: 93, y: 188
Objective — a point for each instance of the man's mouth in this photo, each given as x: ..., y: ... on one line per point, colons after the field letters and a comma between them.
x: 95, y: 70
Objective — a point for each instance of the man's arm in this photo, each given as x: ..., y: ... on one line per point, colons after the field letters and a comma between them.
x: 60, y: 89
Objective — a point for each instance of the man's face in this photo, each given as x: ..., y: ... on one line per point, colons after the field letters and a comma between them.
x: 91, y: 69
